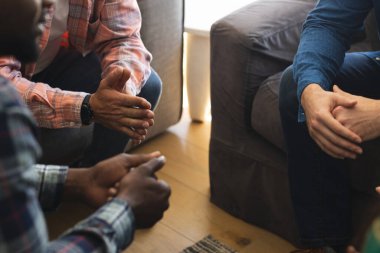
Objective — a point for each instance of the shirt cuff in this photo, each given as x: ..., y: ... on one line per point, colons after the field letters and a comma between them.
x: 50, y: 185
x: 70, y: 110
x: 113, y: 224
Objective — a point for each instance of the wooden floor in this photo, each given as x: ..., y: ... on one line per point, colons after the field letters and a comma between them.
x: 191, y: 216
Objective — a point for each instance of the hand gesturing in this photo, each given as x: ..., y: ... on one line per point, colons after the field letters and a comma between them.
x: 120, y: 110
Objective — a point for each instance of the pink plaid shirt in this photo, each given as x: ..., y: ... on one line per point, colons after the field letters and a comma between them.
x: 111, y: 28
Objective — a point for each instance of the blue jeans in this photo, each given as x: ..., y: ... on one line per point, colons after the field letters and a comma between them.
x: 319, y: 184
x: 88, y: 145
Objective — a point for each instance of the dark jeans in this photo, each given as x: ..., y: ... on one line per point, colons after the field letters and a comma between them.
x: 87, y: 145
x: 319, y: 184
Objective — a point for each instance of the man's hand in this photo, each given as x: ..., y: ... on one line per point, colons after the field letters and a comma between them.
x: 94, y: 186
x: 363, y: 118
x: 333, y: 138
x: 147, y: 196
x: 121, y: 111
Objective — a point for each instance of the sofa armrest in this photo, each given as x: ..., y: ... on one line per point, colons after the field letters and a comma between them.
x: 246, y: 170
x: 248, y: 46
x: 162, y: 33
x: 270, y: 27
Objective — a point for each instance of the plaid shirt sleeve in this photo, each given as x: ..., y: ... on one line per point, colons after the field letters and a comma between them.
x: 111, y: 229
x: 50, y: 184
x: 51, y: 107
x: 22, y: 225
x: 117, y: 41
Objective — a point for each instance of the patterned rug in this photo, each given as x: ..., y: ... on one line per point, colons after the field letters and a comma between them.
x: 208, y: 245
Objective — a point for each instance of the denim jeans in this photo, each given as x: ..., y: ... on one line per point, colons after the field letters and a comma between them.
x: 319, y: 184
x: 88, y: 145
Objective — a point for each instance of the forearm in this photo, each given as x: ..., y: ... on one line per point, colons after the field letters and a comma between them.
x: 130, y: 54
x: 75, y: 184
x: 52, y: 108
x: 117, y: 41
x: 109, y: 229
x: 325, y: 39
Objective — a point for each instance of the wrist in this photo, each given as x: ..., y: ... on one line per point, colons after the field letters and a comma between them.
x: 75, y: 184
x: 309, y: 91
x: 86, y: 112
x: 123, y: 196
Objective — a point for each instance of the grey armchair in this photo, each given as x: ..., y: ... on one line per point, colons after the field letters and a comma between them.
x: 249, y: 50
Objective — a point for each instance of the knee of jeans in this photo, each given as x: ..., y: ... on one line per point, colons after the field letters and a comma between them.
x: 288, y: 91
x: 152, y: 89
x: 155, y: 83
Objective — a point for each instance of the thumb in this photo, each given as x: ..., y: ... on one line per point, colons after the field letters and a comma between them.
x: 336, y: 89
x: 136, y: 160
x: 152, y: 166
x: 344, y: 101
x: 117, y: 78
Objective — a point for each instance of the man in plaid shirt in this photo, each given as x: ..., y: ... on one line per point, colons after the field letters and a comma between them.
x: 97, y: 79
x: 140, y: 201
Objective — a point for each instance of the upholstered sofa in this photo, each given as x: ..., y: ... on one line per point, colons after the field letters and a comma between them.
x: 249, y: 50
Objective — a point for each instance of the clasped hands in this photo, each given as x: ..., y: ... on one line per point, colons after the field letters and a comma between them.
x: 117, y: 108
x: 128, y: 177
x: 338, y: 121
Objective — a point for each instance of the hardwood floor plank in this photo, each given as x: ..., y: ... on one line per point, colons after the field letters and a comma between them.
x: 179, y: 150
x: 159, y: 239
x: 193, y: 216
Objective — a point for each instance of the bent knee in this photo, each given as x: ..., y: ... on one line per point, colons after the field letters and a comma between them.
x: 288, y: 91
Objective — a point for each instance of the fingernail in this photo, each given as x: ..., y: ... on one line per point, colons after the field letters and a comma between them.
x: 161, y: 158
x: 156, y: 153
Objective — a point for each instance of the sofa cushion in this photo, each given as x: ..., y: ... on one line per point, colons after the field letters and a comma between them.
x: 265, y: 116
